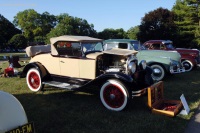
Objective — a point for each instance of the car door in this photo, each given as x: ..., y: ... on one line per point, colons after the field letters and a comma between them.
x: 69, y: 60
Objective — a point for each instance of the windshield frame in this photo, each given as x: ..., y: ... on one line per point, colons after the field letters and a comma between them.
x: 91, y: 47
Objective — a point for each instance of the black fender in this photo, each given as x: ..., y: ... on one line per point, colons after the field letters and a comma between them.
x: 42, y: 70
x: 125, y: 79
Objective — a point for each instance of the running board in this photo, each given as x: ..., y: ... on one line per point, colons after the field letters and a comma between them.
x: 62, y: 85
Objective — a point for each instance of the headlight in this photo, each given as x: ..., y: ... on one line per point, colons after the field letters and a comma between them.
x: 173, y: 62
x: 143, y: 64
x: 131, y: 68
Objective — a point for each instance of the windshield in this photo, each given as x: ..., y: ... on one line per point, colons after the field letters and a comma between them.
x: 169, y: 45
x: 92, y: 46
x: 136, y: 45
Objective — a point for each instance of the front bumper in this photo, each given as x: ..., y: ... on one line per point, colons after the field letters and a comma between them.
x: 175, y: 69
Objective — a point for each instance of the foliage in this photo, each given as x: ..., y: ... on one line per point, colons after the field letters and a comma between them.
x: 34, y: 24
x: 132, y: 32
x: 18, y: 41
x: 188, y: 21
x: 7, y: 30
x: 110, y: 33
x: 68, y: 25
x: 157, y: 24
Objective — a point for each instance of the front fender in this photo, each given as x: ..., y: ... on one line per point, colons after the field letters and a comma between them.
x: 127, y: 80
x: 36, y: 65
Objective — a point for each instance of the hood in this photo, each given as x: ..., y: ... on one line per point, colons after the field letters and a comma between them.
x: 123, y: 52
x: 174, y: 55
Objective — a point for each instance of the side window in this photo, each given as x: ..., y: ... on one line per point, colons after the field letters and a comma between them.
x: 123, y: 45
x: 162, y: 46
x: 155, y: 46
x: 68, y: 48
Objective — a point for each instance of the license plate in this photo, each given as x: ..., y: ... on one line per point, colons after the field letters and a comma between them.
x: 26, y: 128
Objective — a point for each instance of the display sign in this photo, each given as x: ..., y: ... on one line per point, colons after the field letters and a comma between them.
x: 186, y: 109
x: 26, y: 128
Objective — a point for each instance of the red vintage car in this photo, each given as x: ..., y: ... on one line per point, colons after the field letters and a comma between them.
x: 190, y: 58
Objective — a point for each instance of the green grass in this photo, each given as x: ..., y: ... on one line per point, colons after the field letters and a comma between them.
x: 60, y: 111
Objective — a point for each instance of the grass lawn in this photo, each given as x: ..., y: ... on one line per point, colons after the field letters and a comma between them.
x: 60, y: 111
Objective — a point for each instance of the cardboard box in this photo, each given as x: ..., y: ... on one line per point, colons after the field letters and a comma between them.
x: 159, y: 105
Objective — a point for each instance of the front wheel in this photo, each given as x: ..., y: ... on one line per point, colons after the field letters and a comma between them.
x: 33, y: 80
x: 114, y: 95
x: 158, y: 72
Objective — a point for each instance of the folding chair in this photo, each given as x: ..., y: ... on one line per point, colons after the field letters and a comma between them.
x: 14, y: 62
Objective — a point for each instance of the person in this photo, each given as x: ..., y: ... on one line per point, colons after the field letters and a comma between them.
x: 9, y: 71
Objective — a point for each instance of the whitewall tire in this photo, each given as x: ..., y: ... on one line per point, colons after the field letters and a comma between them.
x: 33, y: 80
x: 158, y: 72
x: 114, y: 95
x: 187, y: 65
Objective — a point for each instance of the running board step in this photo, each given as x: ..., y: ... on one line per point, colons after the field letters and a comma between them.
x: 62, y: 85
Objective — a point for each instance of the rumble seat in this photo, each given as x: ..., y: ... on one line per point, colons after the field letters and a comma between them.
x: 34, y: 50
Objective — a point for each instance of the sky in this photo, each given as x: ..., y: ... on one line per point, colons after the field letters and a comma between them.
x: 101, y: 13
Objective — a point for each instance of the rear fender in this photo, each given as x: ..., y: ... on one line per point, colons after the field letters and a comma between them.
x: 192, y: 60
x: 36, y: 65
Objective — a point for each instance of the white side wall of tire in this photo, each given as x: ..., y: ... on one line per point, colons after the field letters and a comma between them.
x: 123, y: 89
x: 29, y: 86
x: 187, y: 61
x: 162, y: 71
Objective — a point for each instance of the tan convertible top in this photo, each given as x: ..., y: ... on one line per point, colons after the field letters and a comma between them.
x: 74, y: 39
x: 71, y: 38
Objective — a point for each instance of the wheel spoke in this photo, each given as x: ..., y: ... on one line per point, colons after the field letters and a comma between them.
x: 113, y: 96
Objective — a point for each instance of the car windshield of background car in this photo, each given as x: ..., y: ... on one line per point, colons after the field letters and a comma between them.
x: 92, y: 46
x: 169, y: 45
x: 136, y: 45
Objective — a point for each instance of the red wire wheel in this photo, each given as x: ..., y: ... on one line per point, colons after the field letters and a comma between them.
x: 33, y: 80
x: 114, y: 95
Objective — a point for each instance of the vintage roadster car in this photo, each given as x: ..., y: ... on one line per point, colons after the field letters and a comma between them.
x: 162, y: 62
x: 74, y: 62
x: 190, y: 58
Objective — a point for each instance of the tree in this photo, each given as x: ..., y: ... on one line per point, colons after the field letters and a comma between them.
x: 18, y: 41
x: 110, y: 33
x: 68, y: 25
x: 133, y: 32
x: 7, y: 30
x: 34, y: 24
x: 187, y: 18
x: 157, y: 24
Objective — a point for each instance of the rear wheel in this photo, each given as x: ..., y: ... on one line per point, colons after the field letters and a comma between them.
x: 33, y: 80
x: 114, y: 95
x: 187, y: 64
x: 158, y: 72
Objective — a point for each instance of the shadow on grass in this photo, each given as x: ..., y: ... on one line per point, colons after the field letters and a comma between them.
x: 71, y: 111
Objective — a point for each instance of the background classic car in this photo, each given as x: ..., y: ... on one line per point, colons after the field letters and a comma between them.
x: 190, y: 58
x: 73, y: 62
x: 161, y: 62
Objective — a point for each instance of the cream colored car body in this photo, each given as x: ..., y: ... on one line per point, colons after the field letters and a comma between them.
x: 74, y: 62
x: 75, y: 67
